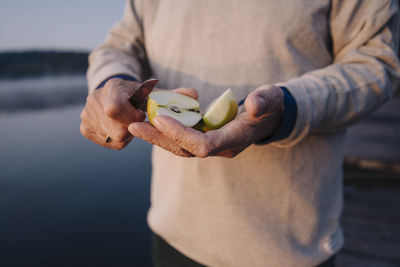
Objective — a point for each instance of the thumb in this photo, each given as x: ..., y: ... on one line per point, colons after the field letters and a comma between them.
x: 264, y: 100
x: 190, y: 92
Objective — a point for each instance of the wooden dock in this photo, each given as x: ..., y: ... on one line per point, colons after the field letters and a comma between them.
x: 375, y: 142
x: 371, y: 215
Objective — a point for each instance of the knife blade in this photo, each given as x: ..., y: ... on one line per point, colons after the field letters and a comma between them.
x: 142, y: 92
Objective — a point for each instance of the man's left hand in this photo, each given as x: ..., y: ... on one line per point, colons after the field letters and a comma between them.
x: 260, y: 119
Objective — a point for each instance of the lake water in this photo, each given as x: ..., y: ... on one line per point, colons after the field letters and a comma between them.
x: 65, y: 201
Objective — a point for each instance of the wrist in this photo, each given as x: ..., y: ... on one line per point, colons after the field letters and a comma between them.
x: 124, y: 77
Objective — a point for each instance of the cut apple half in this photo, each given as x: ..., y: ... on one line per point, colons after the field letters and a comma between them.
x: 221, y: 111
x: 182, y: 108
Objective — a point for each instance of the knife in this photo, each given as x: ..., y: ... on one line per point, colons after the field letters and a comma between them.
x: 142, y: 92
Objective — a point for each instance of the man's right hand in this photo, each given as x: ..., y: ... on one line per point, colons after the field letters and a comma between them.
x: 108, y: 113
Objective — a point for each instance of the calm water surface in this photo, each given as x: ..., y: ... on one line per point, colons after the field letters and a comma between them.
x: 65, y: 201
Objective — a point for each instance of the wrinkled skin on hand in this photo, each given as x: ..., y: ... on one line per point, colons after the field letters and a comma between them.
x: 108, y: 112
x: 260, y: 119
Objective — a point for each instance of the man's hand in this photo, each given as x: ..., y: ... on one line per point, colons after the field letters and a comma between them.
x: 261, y: 118
x: 108, y: 112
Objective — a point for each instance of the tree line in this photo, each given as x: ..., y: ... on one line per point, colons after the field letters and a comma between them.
x: 42, y: 63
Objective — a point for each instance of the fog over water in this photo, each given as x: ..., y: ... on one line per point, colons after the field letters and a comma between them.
x: 65, y: 201
x: 42, y: 93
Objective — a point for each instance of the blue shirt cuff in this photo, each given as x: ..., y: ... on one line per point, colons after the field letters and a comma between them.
x: 288, y: 121
x: 120, y: 76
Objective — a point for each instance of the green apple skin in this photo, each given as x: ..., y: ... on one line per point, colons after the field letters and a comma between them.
x: 208, y: 126
x: 200, y: 126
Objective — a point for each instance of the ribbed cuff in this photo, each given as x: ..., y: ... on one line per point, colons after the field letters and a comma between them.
x: 120, y: 76
x: 288, y: 121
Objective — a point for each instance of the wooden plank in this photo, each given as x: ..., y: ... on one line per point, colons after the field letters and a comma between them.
x: 375, y: 142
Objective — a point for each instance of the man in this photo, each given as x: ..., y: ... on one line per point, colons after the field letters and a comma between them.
x: 265, y: 189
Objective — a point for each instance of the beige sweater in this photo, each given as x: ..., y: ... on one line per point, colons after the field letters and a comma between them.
x: 277, y: 204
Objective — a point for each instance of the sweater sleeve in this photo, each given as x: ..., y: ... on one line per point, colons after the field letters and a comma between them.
x: 363, y: 75
x: 123, y: 52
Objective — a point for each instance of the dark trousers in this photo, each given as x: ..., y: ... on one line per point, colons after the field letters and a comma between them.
x: 166, y: 256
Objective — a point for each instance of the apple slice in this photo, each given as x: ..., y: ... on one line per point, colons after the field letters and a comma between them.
x: 221, y: 111
x: 180, y: 107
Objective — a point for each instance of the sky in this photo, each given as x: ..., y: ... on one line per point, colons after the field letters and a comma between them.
x: 56, y: 24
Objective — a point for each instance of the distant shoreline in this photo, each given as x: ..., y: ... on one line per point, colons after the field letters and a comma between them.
x: 31, y: 64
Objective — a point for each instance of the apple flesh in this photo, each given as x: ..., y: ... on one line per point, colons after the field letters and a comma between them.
x: 186, y: 110
x: 221, y: 111
x: 182, y: 108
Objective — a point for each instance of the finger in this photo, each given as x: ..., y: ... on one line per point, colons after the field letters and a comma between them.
x: 189, y: 139
x: 264, y: 100
x: 107, y: 127
x: 119, y: 135
x: 100, y: 139
x: 242, y: 132
x: 235, y: 135
x: 94, y: 119
x: 147, y: 132
x: 230, y: 136
x: 190, y: 92
x: 121, y: 110
x: 117, y: 105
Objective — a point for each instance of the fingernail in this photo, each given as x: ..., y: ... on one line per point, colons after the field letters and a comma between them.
x: 260, y: 105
